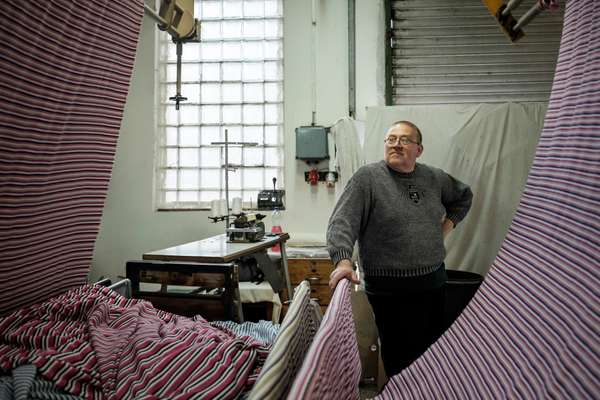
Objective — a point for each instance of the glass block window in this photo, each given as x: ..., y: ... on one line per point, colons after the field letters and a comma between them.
x: 233, y: 80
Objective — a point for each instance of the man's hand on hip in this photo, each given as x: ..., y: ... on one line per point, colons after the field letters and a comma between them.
x: 343, y: 270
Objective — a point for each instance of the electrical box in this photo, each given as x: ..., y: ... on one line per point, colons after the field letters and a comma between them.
x: 311, y: 143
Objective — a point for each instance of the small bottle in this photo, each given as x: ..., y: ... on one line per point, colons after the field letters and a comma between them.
x: 276, y: 228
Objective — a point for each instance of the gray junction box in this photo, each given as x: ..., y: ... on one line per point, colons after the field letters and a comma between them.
x: 311, y: 143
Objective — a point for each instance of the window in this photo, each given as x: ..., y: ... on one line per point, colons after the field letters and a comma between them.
x: 233, y: 80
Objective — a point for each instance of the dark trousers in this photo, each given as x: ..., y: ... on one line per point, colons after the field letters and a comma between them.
x: 408, y: 324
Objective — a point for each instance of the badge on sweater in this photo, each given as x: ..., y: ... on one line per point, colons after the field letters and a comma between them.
x: 413, y: 193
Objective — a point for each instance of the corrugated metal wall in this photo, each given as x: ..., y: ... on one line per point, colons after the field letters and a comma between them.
x: 453, y: 51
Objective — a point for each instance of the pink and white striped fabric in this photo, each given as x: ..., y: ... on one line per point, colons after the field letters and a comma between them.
x: 92, y: 342
x: 66, y: 67
x: 331, y: 368
x: 533, y: 329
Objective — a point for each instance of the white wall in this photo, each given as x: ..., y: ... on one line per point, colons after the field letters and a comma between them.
x: 131, y: 225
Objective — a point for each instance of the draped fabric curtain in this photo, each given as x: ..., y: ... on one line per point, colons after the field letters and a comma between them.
x: 531, y: 331
x: 66, y: 67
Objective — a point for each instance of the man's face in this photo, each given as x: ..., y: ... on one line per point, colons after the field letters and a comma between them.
x: 402, y: 157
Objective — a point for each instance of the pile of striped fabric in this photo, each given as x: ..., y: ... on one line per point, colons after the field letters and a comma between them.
x: 92, y: 342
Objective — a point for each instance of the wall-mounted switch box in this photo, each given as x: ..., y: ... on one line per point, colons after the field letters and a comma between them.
x: 311, y: 143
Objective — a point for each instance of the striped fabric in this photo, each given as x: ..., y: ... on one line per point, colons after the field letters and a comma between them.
x: 66, y: 67
x: 24, y: 384
x: 331, y: 369
x: 91, y: 342
x: 295, y: 336
x: 533, y: 329
x: 262, y: 331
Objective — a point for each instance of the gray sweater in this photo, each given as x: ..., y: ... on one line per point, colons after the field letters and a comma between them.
x: 396, y: 218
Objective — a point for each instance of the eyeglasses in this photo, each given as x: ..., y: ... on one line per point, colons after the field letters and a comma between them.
x: 403, y: 140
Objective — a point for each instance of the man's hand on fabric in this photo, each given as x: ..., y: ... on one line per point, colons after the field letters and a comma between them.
x: 343, y: 270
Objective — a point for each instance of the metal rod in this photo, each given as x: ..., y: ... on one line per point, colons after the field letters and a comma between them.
x: 528, y: 16
x: 512, y: 4
x: 352, y: 58
x: 151, y: 12
x: 227, y: 176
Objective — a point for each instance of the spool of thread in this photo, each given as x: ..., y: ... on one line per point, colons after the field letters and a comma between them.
x: 236, y: 205
x: 223, y: 207
x: 214, y: 208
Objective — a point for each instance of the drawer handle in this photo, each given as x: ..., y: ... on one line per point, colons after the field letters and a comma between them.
x: 313, y: 279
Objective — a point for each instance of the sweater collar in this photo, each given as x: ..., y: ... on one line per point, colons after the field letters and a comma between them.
x: 401, y: 174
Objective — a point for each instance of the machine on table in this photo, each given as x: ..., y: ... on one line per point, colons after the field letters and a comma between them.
x: 246, y: 228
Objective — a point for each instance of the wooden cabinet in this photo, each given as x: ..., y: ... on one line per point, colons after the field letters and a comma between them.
x: 316, y: 271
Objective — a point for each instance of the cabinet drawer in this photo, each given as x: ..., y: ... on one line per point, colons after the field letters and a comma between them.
x: 316, y: 271
x: 321, y: 293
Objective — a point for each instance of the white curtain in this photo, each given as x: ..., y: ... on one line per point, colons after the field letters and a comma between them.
x: 488, y: 146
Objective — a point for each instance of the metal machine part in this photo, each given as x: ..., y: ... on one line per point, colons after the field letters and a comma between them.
x: 246, y: 228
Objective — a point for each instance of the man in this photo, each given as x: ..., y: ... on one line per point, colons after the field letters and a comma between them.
x: 400, y: 211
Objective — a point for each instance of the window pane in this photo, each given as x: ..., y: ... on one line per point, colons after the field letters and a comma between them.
x: 189, y: 178
x: 232, y: 29
x: 253, y: 93
x: 211, y: 30
x: 253, y: 114
x: 170, y: 196
x: 210, y: 179
x: 188, y: 196
x: 235, y: 180
x: 232, y: 50
x: 235, y: 155
x: 253, y: 50
x: 253, y: 134
x: 209, y: 134
x: 273, y: 8
x: 210, y: 157
x: 254, y: 8
x: 172, y: 158
x: 171, y: 179
x: 188, y: 158
x: 254, y: 29
x: 189, y: 72
x: 209, y: 9
x: 273, y: 135
x: 273, y: 114
x: 188, y: 114
x: 192, y: 92
x: 211, y: 93
x: 232, y: 93
x: 234, y: 133
x: 253, y: 156
x: 232, y: 114
x: 253, y: 72
x: 273, y: 156
x: 210, y: 51
x: 272, y: 29
x: 273, y: 49
x: 210, y: 72
x: 232, y: 8
x: 211, y: 114
x: 273, y: 92
x: 210, y: 195
x: 232, y: 71
x: 273, y: 71
x: 171, y: 133
x: 189, y: 136
x: 190, y: 52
